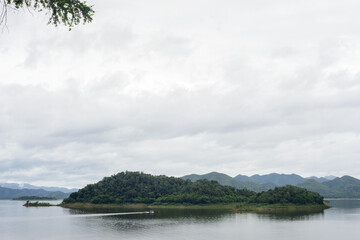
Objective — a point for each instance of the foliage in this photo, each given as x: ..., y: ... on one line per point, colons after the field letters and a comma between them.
x: 135, y: 187
x: 66, y: 12
x: 287, y: 194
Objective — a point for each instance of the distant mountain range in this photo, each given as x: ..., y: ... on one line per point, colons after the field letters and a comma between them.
x: 8, y: 193
x: 29, y: 186
x: 16, y: 190
x: 229, y: 181
x: 329, y: 186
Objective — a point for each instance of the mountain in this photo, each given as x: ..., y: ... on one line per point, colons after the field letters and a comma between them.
x: 224, y: 179
x: 243, y: 178
x: 329, y: 186
x: 8, y: 193
x: 315, y: 186
x: 347, y: 186
x: 331, y: 177
x: 29, y: 186
x: 275, y: 178
x: 344, y: 187
x: 320, y: 179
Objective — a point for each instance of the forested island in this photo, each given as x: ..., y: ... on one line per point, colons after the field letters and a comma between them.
x: 37, y: 204
x: 140, y: 188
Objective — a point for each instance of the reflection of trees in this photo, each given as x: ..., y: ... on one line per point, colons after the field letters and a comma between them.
x: 161, y: 213
x: 163, y: 218
x: 292, y: 215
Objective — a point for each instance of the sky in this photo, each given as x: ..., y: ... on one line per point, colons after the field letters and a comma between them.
x: 180, y: 87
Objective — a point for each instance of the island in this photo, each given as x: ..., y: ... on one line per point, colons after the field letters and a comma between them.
x: 37, y: 204
x: 140, y: 190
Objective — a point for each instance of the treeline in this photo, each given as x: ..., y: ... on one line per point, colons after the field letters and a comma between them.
x: 287, y: 194
x: 136, y: 187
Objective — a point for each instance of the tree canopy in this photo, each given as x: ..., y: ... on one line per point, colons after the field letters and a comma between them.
x: 135, y: 187
x: 287, y: 194
x: 66, y: 12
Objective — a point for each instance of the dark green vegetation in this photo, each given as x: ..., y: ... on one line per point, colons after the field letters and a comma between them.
x: 344, y: 187
x: 286, y: 195
x: 135, y: 187
x: 34, y: 198
x: 66, y: 12
x: 7, y: 193
x: 37, y: 204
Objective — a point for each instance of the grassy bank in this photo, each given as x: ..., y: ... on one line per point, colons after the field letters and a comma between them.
x: 236, y: 207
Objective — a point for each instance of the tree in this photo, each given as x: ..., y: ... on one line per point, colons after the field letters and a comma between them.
x: 66, y: 12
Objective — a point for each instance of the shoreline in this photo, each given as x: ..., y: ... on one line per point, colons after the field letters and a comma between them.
x: 235, y: 207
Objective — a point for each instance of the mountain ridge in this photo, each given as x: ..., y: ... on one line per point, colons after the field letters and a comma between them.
x: 30, y: 186
x: 338, y: 187
x: 9, y: 193
x: 226, y: 180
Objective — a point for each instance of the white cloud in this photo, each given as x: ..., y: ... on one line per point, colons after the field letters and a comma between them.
x: 240, y: 87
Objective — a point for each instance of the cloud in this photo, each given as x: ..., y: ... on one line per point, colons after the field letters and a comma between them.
x: 237, y: 87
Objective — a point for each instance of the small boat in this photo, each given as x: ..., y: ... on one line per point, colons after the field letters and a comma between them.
x: 151, y: 212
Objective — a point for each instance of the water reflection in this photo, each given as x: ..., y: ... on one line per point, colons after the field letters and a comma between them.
x: 56, y: 223
x: 346, y: 204
x: 292, y: 215
x: 161, y: 219
x: 162, y: 213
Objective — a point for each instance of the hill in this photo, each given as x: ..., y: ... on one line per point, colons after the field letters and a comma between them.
x: 135, y: 187
x: 344, y: 187
x: 321, y: 179
x: 315, y: 186
x: 330, y: 186
x: 287, y: 194
x: 8, y: 193
x: 274, y: 178
x: 224, y: 179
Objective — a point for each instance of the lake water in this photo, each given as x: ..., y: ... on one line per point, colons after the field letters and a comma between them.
x: 342, y: 221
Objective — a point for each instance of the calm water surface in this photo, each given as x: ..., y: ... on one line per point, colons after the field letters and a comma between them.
x: 342, y: 221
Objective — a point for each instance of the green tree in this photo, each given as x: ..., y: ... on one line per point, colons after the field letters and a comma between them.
x: 66, y: 12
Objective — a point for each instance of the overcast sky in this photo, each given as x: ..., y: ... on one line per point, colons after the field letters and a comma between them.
x: 180, y: 87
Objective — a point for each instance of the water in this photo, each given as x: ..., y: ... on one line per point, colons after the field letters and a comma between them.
x: 342, y: 221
